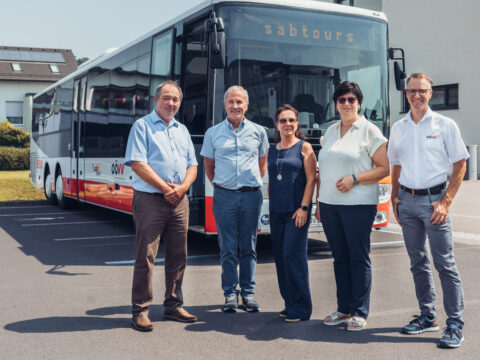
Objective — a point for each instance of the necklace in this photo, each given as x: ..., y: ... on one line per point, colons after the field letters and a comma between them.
x: 279, y: 169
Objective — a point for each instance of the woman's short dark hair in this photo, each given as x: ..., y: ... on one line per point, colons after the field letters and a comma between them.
x: 344, y: 88
x: 281, y: 109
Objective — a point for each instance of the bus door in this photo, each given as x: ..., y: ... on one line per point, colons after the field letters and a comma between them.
x: 78, y: 140
x: 191, y: 65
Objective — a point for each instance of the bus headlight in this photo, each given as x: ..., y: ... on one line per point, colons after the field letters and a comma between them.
x: 380, y: 217
x: 384, y: 193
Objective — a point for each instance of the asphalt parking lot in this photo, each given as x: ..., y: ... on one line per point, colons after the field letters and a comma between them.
x: 65, y: 294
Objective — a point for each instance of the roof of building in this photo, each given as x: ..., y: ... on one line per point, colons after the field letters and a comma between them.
x: 35, y: 64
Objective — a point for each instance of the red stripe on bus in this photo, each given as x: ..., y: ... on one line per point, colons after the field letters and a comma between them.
x: 210, y: 226
x: 100, y: 193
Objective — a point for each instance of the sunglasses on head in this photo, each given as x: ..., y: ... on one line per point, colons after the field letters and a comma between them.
x: 284, y: 121
x: 350, y: 99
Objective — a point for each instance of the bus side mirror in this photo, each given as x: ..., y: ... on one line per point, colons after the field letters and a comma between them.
x: 214, y: 29
x: 399, y: 70
x: 399, y: 76
x: 216, y: 49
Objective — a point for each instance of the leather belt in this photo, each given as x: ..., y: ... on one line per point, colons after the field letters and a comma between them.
x: 242, y: 189
x: 434, y: 190
x: 149, y: 193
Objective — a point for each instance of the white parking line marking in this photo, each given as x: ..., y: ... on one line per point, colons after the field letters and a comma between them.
x: 466, y: 216
x: 161, y: 260
x: 56, y: 213
x: 72, y: 223
x: 397, y: 229
x: 44, y: 218
x: 93, y: 237
x: 25, y: 207
x: 102, y: 245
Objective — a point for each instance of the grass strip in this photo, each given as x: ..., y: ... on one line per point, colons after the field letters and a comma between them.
x: 16, y: 186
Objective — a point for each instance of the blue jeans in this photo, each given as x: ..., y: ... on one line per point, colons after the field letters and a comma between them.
x: 348, y: 229
x: 236, y: 216
x: 414, y: 213
x: 290, y: 249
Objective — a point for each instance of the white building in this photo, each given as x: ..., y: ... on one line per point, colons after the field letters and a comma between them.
x: 23, y: 72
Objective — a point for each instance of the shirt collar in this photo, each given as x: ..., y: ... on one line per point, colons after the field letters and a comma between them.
x: 240, y: 126
x: 356, y: 124
x: 426, y: 116
x: 156, y: 119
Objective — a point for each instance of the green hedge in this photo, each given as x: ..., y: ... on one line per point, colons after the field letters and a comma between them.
x: 12, y: 136
x: 12, y: 158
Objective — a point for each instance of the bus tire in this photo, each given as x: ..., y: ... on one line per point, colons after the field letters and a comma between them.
x: 47, y: 189
x: 63, y: 201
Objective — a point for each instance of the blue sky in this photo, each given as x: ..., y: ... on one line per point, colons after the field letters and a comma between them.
x: 87, y: 27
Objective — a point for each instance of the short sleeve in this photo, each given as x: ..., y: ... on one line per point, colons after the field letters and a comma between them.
x: 454, y: 144
x: 392, y: 147
x: 137, y: 144
x: 207, y: 147
x: 375, y: 139
x: 263, y: 143
x: 191, y: 157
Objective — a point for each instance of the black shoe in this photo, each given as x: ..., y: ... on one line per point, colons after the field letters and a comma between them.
x: 231, y: 304
x: 283, y: 313
x: 249, y: 304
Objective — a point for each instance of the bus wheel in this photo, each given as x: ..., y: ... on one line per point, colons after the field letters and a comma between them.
x: 47, y: 189
x: 63, y: 202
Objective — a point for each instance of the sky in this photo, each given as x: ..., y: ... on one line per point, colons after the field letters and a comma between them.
x: 87, y: 27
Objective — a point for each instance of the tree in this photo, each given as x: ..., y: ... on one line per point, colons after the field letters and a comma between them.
x: 80, y: 61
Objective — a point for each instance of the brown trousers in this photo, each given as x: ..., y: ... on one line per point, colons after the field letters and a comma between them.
x: 155, y: 218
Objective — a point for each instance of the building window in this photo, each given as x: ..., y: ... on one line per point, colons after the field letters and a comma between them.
x: 14, y: 110
x: 54, y: 69
x: 16, y: 67
x: 444, y: 97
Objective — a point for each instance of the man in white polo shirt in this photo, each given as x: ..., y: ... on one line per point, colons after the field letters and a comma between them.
x: 422, y: 148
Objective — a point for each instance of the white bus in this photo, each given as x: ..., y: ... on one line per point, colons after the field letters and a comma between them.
x: 281, y: 51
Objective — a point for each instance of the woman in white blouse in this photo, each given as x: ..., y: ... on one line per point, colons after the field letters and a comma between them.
x: 352, y: 160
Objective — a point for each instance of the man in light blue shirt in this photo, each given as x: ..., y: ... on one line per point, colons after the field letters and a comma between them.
x: 162, y: 157
x: 235, y: 159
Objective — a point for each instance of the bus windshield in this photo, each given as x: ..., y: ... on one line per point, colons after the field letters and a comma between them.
x: 298, y: 57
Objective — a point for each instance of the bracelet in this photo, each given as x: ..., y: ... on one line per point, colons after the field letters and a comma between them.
x: 355, y: 181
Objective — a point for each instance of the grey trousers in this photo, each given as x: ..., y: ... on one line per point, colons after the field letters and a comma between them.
x: 414, y: 212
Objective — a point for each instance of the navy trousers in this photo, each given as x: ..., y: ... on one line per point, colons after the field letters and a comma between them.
x: 290, y: 250
x: 348, y: 229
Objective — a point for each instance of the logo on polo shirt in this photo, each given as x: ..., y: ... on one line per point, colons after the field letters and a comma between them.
x: 432, y: 137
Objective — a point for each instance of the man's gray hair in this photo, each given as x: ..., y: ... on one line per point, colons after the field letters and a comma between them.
x: 168, y: 82
x: 236, y: 88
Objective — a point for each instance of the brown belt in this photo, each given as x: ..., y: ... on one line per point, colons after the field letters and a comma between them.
x: 434, y: 190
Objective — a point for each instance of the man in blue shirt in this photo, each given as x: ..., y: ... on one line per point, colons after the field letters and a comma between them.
x: 235, y: 159
x: 162, y: 157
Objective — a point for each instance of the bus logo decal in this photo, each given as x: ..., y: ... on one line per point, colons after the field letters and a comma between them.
x: 117, y: 169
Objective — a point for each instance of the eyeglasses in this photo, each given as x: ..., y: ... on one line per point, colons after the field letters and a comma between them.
x: 350, y: 99
x: 284, y: 121
x: 417, y: 91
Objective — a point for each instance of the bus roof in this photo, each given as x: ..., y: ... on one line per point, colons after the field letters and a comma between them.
x: 299, y: 4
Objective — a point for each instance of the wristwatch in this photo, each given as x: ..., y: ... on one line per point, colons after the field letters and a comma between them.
x: 304, y: 207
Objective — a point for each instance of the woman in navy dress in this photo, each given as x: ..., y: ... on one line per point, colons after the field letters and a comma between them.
x: 291, y: 182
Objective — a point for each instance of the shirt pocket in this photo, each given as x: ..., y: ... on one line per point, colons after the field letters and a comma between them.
x: 434, y: 141
x: 249, y: 147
